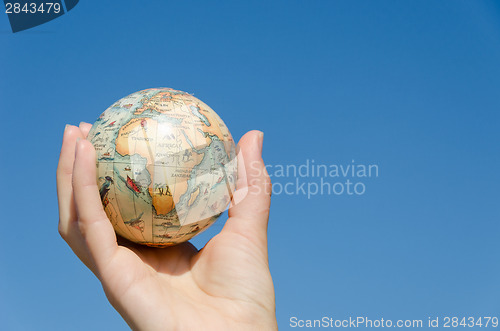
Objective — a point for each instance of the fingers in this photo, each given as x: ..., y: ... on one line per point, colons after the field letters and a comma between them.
x: 94, y: 225
x: 85, y: 128
x: 65, y: 171
x: 72, y: 178
x: 68, y: 225
x: 249, y: 212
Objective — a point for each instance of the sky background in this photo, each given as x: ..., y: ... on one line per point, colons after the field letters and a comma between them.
x: 412, y: 86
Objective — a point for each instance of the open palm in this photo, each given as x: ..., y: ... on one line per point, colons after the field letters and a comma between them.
x: 226, y: 285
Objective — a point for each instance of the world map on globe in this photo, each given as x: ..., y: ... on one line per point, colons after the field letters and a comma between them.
x: 166, y: 166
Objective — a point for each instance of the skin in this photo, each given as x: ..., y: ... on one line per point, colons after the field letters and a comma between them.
x: 224, y: 286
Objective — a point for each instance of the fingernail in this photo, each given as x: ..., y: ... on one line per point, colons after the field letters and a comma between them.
x: 261, y: 140
x: 66, y: 127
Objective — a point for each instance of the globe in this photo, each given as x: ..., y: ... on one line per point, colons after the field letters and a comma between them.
x: 166, y: 166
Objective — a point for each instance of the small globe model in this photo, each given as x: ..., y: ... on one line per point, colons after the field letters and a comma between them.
x: 166, y: 166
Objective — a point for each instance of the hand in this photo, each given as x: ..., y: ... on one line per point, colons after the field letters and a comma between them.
x: 225, y: 286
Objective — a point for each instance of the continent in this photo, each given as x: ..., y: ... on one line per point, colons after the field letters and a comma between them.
x: 170, y: 157
x: 165, y: 101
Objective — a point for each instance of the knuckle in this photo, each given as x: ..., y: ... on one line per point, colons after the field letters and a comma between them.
x: 62, y: 231
x: 63, y: 171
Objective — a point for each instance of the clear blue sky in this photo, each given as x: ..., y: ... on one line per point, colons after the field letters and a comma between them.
x: 412, y: 86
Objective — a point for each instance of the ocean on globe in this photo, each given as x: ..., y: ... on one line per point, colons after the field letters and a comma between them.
x: 166, y: 166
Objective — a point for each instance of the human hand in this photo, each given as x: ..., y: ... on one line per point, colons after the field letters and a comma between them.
x: 225, y: 286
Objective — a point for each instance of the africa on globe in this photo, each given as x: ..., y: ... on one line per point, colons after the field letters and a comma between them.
x: 166, y: 166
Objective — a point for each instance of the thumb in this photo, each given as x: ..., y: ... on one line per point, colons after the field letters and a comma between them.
x: 249, y: 211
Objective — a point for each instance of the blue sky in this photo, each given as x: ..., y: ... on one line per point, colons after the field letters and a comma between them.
x: 411, y: 86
